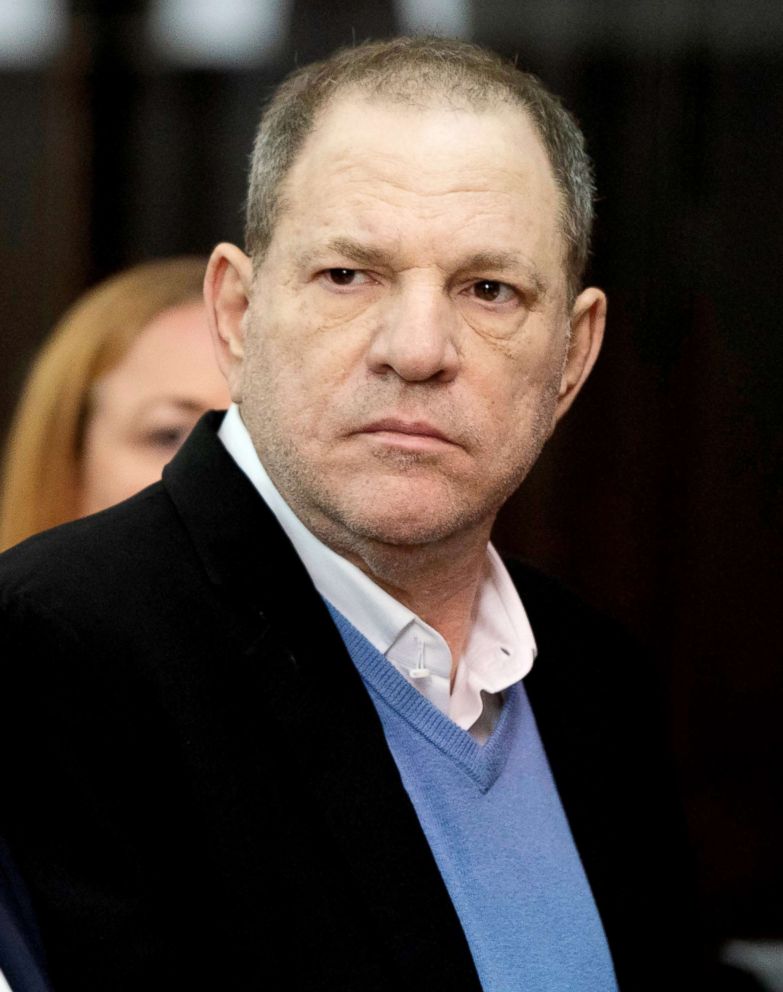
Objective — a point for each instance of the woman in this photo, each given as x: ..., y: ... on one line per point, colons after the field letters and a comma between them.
x: 110, y: 398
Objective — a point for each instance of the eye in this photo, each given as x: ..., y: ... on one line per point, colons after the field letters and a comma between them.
x: 346, y: 277
x: 492, y: 291
x: 166, y: 437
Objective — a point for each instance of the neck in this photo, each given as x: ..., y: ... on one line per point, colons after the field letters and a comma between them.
x: 438, y: 582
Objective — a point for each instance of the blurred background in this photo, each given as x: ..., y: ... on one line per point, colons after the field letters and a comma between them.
x: 126, y: 129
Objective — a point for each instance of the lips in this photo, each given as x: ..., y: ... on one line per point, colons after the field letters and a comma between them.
x: 413, y: 428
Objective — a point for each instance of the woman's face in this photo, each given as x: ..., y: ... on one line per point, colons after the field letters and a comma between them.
x: 143, y: 409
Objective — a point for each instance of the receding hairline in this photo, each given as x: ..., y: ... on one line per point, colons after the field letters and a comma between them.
x: 438, y: 99
x: 434, y: 99
x: 421, y: 70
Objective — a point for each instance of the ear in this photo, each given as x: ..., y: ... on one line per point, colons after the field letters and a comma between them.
x: 227, y: 286
x: 588, y: 318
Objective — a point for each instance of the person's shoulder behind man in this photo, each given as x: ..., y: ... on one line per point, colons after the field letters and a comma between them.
x: 94, y: 606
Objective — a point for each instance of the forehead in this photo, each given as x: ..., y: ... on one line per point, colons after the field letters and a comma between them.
x: 457, y: 177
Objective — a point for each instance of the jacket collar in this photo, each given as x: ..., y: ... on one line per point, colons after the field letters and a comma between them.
x: 243, y: 549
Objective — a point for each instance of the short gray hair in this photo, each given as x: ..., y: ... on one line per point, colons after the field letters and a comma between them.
x: 409, y: 70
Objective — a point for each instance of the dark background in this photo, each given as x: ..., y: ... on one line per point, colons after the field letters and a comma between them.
x: 659, y: 498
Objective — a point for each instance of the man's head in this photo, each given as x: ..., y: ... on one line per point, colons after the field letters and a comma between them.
x: 406, y: 332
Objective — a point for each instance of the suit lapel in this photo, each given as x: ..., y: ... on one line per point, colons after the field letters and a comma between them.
x: 313, y: 694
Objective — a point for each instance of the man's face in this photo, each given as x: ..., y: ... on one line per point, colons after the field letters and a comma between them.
x: 407, y: 332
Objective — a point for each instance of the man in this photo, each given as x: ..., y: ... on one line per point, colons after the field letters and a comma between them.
x: 268, y: 718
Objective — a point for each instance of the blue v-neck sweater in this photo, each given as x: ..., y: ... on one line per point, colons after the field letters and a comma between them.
x: 497, y: 830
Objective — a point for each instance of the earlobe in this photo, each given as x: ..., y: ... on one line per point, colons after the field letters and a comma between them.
x: 227, y: 287
x: 588, y: 318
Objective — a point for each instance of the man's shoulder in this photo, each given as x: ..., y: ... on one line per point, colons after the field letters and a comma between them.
x: 102, y: 540
x: 557, y: 610
x: 578, y: 644
x: 141, y: 540
x: 99, y: 562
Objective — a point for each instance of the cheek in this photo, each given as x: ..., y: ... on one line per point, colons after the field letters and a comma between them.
x: 519, y: 399
x: 113, y: 469
x: 299, y: 373
x: 539, y: 367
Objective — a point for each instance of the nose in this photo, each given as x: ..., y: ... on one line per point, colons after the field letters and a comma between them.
x: 417, y: 336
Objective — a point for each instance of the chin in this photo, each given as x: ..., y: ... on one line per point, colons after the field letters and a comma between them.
x: 401, y: 532
x: 405, y: 519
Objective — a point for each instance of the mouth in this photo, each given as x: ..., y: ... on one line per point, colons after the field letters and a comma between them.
x: 409, y: 434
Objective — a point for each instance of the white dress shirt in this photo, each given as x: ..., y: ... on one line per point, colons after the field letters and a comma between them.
x: 500, y: 647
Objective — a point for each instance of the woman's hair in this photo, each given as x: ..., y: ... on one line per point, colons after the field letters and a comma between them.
x: 40, y: 478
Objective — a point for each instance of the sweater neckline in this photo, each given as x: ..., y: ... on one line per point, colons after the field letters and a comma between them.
x: 482, y: 763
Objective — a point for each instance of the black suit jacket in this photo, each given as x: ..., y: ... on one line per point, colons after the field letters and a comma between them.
x: 200, y: 794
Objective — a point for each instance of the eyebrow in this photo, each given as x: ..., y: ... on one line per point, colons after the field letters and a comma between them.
x: 182, y: 402
x: 348, y: 248
x: 357, y: 252
x: 497, y: 261
x: 179, y: 403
